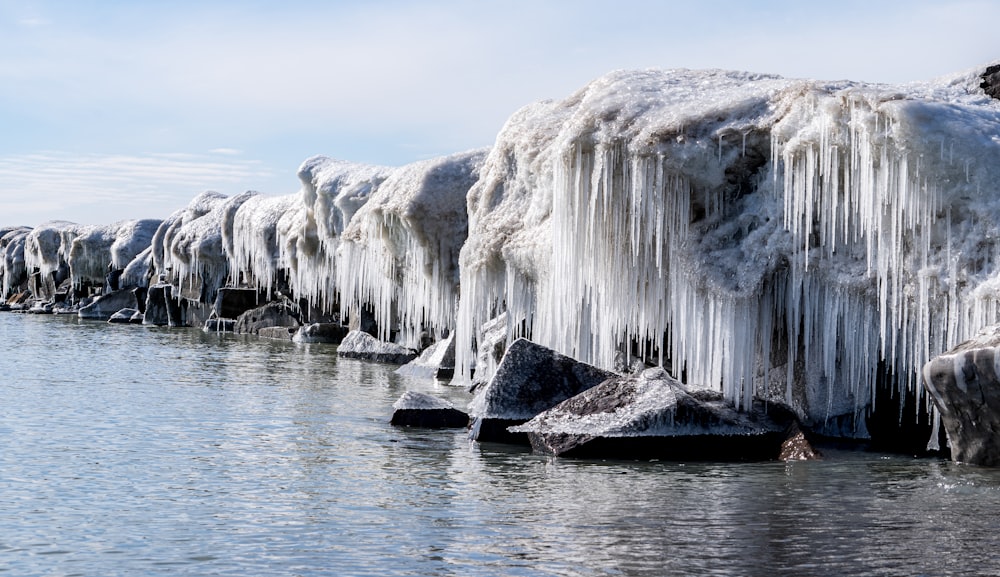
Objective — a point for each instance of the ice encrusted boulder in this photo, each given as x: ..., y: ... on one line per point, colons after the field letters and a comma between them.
x: 422, y: 410
x: 435, y: 362
x: 281, y: 313
x: 361, y: 345
x: 964, y: 384
x: 331, y: 333
x: 652, y: 415
x: 530, y: 379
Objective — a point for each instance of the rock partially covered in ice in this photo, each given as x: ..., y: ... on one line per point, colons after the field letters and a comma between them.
x: 126, y: 316
x: 331, y: 333
x: 282, y: 313
x: 104, y: 307
x: 965, y: 386
x: 530, y: 379
x: 991, y: 81
x: 361, y: 345
x: 652, y: 415
x: 162, y: 309
x: 435, y: 362
x: 421, y: 410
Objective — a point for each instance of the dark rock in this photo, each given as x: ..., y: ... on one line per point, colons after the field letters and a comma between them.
x: 331, y: 333
x: 282, y: 313
x: 363, y: 319
x: 435, y: 362
x: 421, y: 410
x: 230, y: 302
x: 652, y: 415
x: 991, y: 81
x: 162, y: 309
x: 965, y: 387
x: 361, y: 345
x: 123, y: 317
x: 105, y: 306
x: 530, y: 379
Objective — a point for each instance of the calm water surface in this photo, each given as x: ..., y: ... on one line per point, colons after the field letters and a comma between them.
x: 131, y: 450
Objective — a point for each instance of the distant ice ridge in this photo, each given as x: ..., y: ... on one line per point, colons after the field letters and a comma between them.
x: 761, y: 235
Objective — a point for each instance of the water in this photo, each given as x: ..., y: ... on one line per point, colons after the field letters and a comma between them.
x: 131, y: 450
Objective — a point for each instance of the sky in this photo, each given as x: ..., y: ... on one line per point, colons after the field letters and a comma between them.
x: 113, y: 110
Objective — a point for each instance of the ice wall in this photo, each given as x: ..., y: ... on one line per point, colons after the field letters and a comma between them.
x: 94, y: 248
x: 757, y: 234
x: 399, y: 252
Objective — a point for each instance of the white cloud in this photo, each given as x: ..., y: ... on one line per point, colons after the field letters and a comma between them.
x: 99, y: 189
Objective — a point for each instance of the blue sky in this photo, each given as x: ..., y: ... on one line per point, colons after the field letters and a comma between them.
x: 112, y: 110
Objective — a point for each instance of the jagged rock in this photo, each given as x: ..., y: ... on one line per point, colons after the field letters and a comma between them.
x: 530, y: 379
x: 435, y: 362
x: 422, y: 410
x: 281, y: 313
x: 361, y: 345
x: 331, y: 333
x: 162, y: 309
x: 277, y: 333
x: 652, y: 415
x: 123, y: 316
x: 231, y: 302
x: 105, y: 306
x: 991, y: 81
x: 964, y: 384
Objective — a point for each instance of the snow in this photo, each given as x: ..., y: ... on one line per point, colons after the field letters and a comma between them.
x: 780, y: 237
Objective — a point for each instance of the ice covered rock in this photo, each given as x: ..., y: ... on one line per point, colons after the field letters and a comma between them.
x: 106, y: 305
x: 530, y: 379
x: 46, y: 253
x: 399, y: 252
x: 964, y: 384
x: 126, y: 316
x: 435, y: 362
x: 95, y: 251
x: 651, y: 415
x: 281, y: 313
x: 13, y: 274
x: 788, y: 239
x: 361, y: 345
x: 332, y: 333
x: 253, y: 244
x: 422, y: 410
x: 991, y: 81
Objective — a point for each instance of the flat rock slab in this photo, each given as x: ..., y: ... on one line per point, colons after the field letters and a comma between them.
x: 964, y: 384
x: 422, y: 410
x: 652, y: 415
x: 530, y: 379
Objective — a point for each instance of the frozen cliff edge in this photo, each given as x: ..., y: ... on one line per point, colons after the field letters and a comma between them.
x: 786, y: 239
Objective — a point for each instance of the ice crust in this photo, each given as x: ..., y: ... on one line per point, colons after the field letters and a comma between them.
x: 781, y: 237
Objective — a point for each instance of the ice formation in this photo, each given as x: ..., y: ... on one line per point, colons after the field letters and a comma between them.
x: 761, y: 235
x: 400, y: 251
x: 13, y: 273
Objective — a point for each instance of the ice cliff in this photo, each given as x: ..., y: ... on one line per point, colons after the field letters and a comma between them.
x: 758, y: 235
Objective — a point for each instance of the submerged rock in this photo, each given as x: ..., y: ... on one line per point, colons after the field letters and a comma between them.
x: 530, y: 379
x: 652, y: 415
x: 361, y: 345
x: 422, y: 410
x: 964, y: 384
